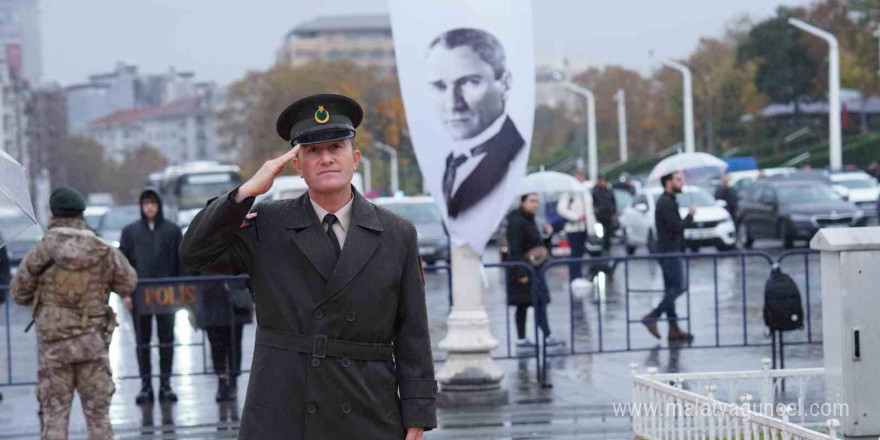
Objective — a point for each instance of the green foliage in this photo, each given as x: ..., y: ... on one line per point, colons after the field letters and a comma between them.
x: 785, y: 68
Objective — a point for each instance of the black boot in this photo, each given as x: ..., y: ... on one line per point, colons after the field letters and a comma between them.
x: 222, y: 390
x: 146, y: 394
x: 165, y: 393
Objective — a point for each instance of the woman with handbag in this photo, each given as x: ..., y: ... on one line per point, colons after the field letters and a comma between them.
x: 525, y: 243
x: 224, y: 308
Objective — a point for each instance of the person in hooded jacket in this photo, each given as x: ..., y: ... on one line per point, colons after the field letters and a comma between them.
x: 150, y: 244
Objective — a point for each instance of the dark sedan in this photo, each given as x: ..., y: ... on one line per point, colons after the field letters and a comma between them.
x: 421, y: 210
x: 793, y: 209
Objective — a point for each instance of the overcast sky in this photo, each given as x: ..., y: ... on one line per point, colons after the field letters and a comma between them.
x: 220, y: 40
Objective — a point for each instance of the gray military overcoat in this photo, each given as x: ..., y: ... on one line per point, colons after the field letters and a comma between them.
x: 342, y: 348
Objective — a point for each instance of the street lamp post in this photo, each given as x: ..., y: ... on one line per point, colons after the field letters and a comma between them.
x: 592, y: 148
x: 368, y: 174
x: 393, y: 153
x: 688, y: 103
x: 620, y: 97
x: 835, y: 153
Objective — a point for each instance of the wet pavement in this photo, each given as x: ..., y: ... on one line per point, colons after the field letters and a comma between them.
x: 579, y: 404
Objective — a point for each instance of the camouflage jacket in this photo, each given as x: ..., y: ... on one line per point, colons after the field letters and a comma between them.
x: 79, y: 271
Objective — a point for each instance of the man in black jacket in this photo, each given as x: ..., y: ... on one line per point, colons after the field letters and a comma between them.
x: 606, y: 210
x: 670, y: 237
x: 151, y: 244
x: 728, y: 194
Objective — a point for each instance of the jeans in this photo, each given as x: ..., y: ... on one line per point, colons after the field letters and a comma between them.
x: 673, y: 286
x: 144, y: 332
x: 577, y: 242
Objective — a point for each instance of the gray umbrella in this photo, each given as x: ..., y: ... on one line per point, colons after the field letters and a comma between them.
x: 16, y: 209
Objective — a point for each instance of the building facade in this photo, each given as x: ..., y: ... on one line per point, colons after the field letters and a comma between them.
x: 364, y: 40
x: 183, y: 130
x: 125, y: 88
x: 21, y: 39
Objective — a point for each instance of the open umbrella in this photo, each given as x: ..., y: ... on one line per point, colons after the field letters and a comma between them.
x: 694, y: 166
x: 543, y: 182
x: 16, y: 209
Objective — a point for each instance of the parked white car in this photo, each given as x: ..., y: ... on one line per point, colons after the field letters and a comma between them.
x: 862, y: 189
x: 712, y: 226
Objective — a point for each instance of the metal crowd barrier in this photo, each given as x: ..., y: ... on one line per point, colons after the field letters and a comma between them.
x: 687, y: 257
x: 541, y: 354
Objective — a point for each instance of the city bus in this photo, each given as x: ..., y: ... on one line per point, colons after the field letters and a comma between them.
x: 186, y: 188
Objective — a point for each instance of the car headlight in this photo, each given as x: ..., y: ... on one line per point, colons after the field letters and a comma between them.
x: 858, y: 213
x: 600, y: 230
x: 801, y: 218
x: 114, y: 243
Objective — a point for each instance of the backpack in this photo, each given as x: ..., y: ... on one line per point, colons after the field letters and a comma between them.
x: 783, y: 308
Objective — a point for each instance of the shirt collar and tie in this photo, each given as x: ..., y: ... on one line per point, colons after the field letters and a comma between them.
x: 338, y: 221
x: 458, y: 165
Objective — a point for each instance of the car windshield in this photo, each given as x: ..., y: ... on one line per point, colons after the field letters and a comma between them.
x: 195, y: 190
x: 118, y: 218
x: 857, y: 183
x: 622, y: 198
x: 796, y: 194
x: 94, y: 221
x: 418, y: 213
x: 697, y: 196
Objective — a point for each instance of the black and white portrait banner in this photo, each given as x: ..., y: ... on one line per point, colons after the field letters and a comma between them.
x: 467, y: 75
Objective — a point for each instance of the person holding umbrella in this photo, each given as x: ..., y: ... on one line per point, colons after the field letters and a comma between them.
x: 670, y: 233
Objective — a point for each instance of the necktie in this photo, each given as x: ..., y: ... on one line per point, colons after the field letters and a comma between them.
x: 452, y: 163
x: 328, y: 222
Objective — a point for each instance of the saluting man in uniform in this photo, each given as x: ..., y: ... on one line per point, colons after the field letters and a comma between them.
x: 342, y: 345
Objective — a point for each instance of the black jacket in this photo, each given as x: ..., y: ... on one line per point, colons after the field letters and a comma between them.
x: 152, y: 253
x: 373, y: 296
x: 604, y: 204
x: 522, y: 234
x: 224, y: 303
x: 670, y: 226
x: 501, y: 149
x: 728, y: 195
x: 5, y: 275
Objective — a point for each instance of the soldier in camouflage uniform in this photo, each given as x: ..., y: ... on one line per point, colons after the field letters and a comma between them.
x: 67, y: 278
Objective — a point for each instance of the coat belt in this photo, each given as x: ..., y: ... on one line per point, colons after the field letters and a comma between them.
x: 320, y: 346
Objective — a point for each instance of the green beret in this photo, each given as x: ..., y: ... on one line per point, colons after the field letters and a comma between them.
x: 319, y: 118
x: 66, y: 198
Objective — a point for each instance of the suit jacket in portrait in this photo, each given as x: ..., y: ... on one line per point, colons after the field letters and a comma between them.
x: 342, y: 348
x: 501, y: 149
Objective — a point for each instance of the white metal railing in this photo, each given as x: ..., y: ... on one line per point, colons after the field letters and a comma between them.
x: 661, y: 411
x: 766, y: 382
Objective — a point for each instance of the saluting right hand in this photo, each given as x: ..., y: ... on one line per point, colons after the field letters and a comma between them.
x: 262, y: 181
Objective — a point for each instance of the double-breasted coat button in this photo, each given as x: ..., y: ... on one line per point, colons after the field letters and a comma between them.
x: 319, y: 314
x: 346, y: 362
x: 312, y: 408
x: 350, y: 316
x: 346, y: 408
x: 316, y: 362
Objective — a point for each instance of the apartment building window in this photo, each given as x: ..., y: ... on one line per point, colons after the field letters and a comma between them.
x: 334, y: 54
x: 377, y: 54
x: 357, y: 54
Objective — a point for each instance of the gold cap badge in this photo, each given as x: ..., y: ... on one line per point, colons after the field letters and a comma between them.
x: 322, y: 116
